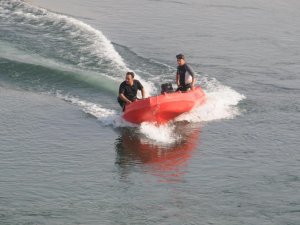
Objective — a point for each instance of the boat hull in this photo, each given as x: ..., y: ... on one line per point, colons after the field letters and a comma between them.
x: 164, y: 107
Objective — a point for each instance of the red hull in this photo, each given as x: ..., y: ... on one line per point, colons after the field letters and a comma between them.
x: 163, y: 108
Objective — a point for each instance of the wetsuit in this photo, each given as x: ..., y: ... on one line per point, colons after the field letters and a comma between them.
x: 130, y: 92
x: 186, y: 75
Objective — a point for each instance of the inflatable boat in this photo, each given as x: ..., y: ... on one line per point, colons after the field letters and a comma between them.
x: 163, y: 108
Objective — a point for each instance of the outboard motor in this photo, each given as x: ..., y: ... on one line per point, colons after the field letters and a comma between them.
x: 167, y: 88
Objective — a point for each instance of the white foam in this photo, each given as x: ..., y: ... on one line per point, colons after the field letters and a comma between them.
x: 99, y: 45
x: 159, y: 133
x: 221, y: 103
x: 107, y: 117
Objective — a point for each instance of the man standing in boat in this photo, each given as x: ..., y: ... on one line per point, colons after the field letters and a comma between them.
x: 128, y: 90
x: 185, y: 76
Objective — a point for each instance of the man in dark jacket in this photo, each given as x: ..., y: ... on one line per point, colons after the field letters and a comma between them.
x: 128, y: 90
x: 185, y: 76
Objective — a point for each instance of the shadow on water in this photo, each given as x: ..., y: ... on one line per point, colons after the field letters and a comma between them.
x: 167, y: 161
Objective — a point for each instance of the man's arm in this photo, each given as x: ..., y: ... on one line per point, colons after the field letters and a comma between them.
x: 141, y: 88
x: 143, y: 93
x: 193, y: 83
x: 192, y: 73
x: 177, y: 79
x: 123, y: 97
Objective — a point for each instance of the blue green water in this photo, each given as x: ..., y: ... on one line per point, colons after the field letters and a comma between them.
x: 66, y: 155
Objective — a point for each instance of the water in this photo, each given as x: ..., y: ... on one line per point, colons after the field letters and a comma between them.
x: 66, y: 155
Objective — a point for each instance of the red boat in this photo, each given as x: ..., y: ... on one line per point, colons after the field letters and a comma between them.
x: 163, y: 108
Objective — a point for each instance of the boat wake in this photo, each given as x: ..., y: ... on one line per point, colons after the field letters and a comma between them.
x: 221, y: 103
x: 66, y: 52
x: 60, y: 42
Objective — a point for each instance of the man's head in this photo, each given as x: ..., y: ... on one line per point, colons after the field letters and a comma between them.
x: 180, y: 59
x: 129, y: 78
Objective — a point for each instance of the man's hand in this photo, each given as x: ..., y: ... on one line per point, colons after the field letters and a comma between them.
x: 122, y: 96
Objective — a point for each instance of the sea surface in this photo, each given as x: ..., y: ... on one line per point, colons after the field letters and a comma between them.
x: 66, y: 155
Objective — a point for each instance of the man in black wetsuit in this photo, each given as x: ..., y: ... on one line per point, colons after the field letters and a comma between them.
x: 185, y: 76
x: 128, y: 90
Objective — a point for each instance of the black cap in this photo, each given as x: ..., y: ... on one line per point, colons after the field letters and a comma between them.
x: 180, y: 56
